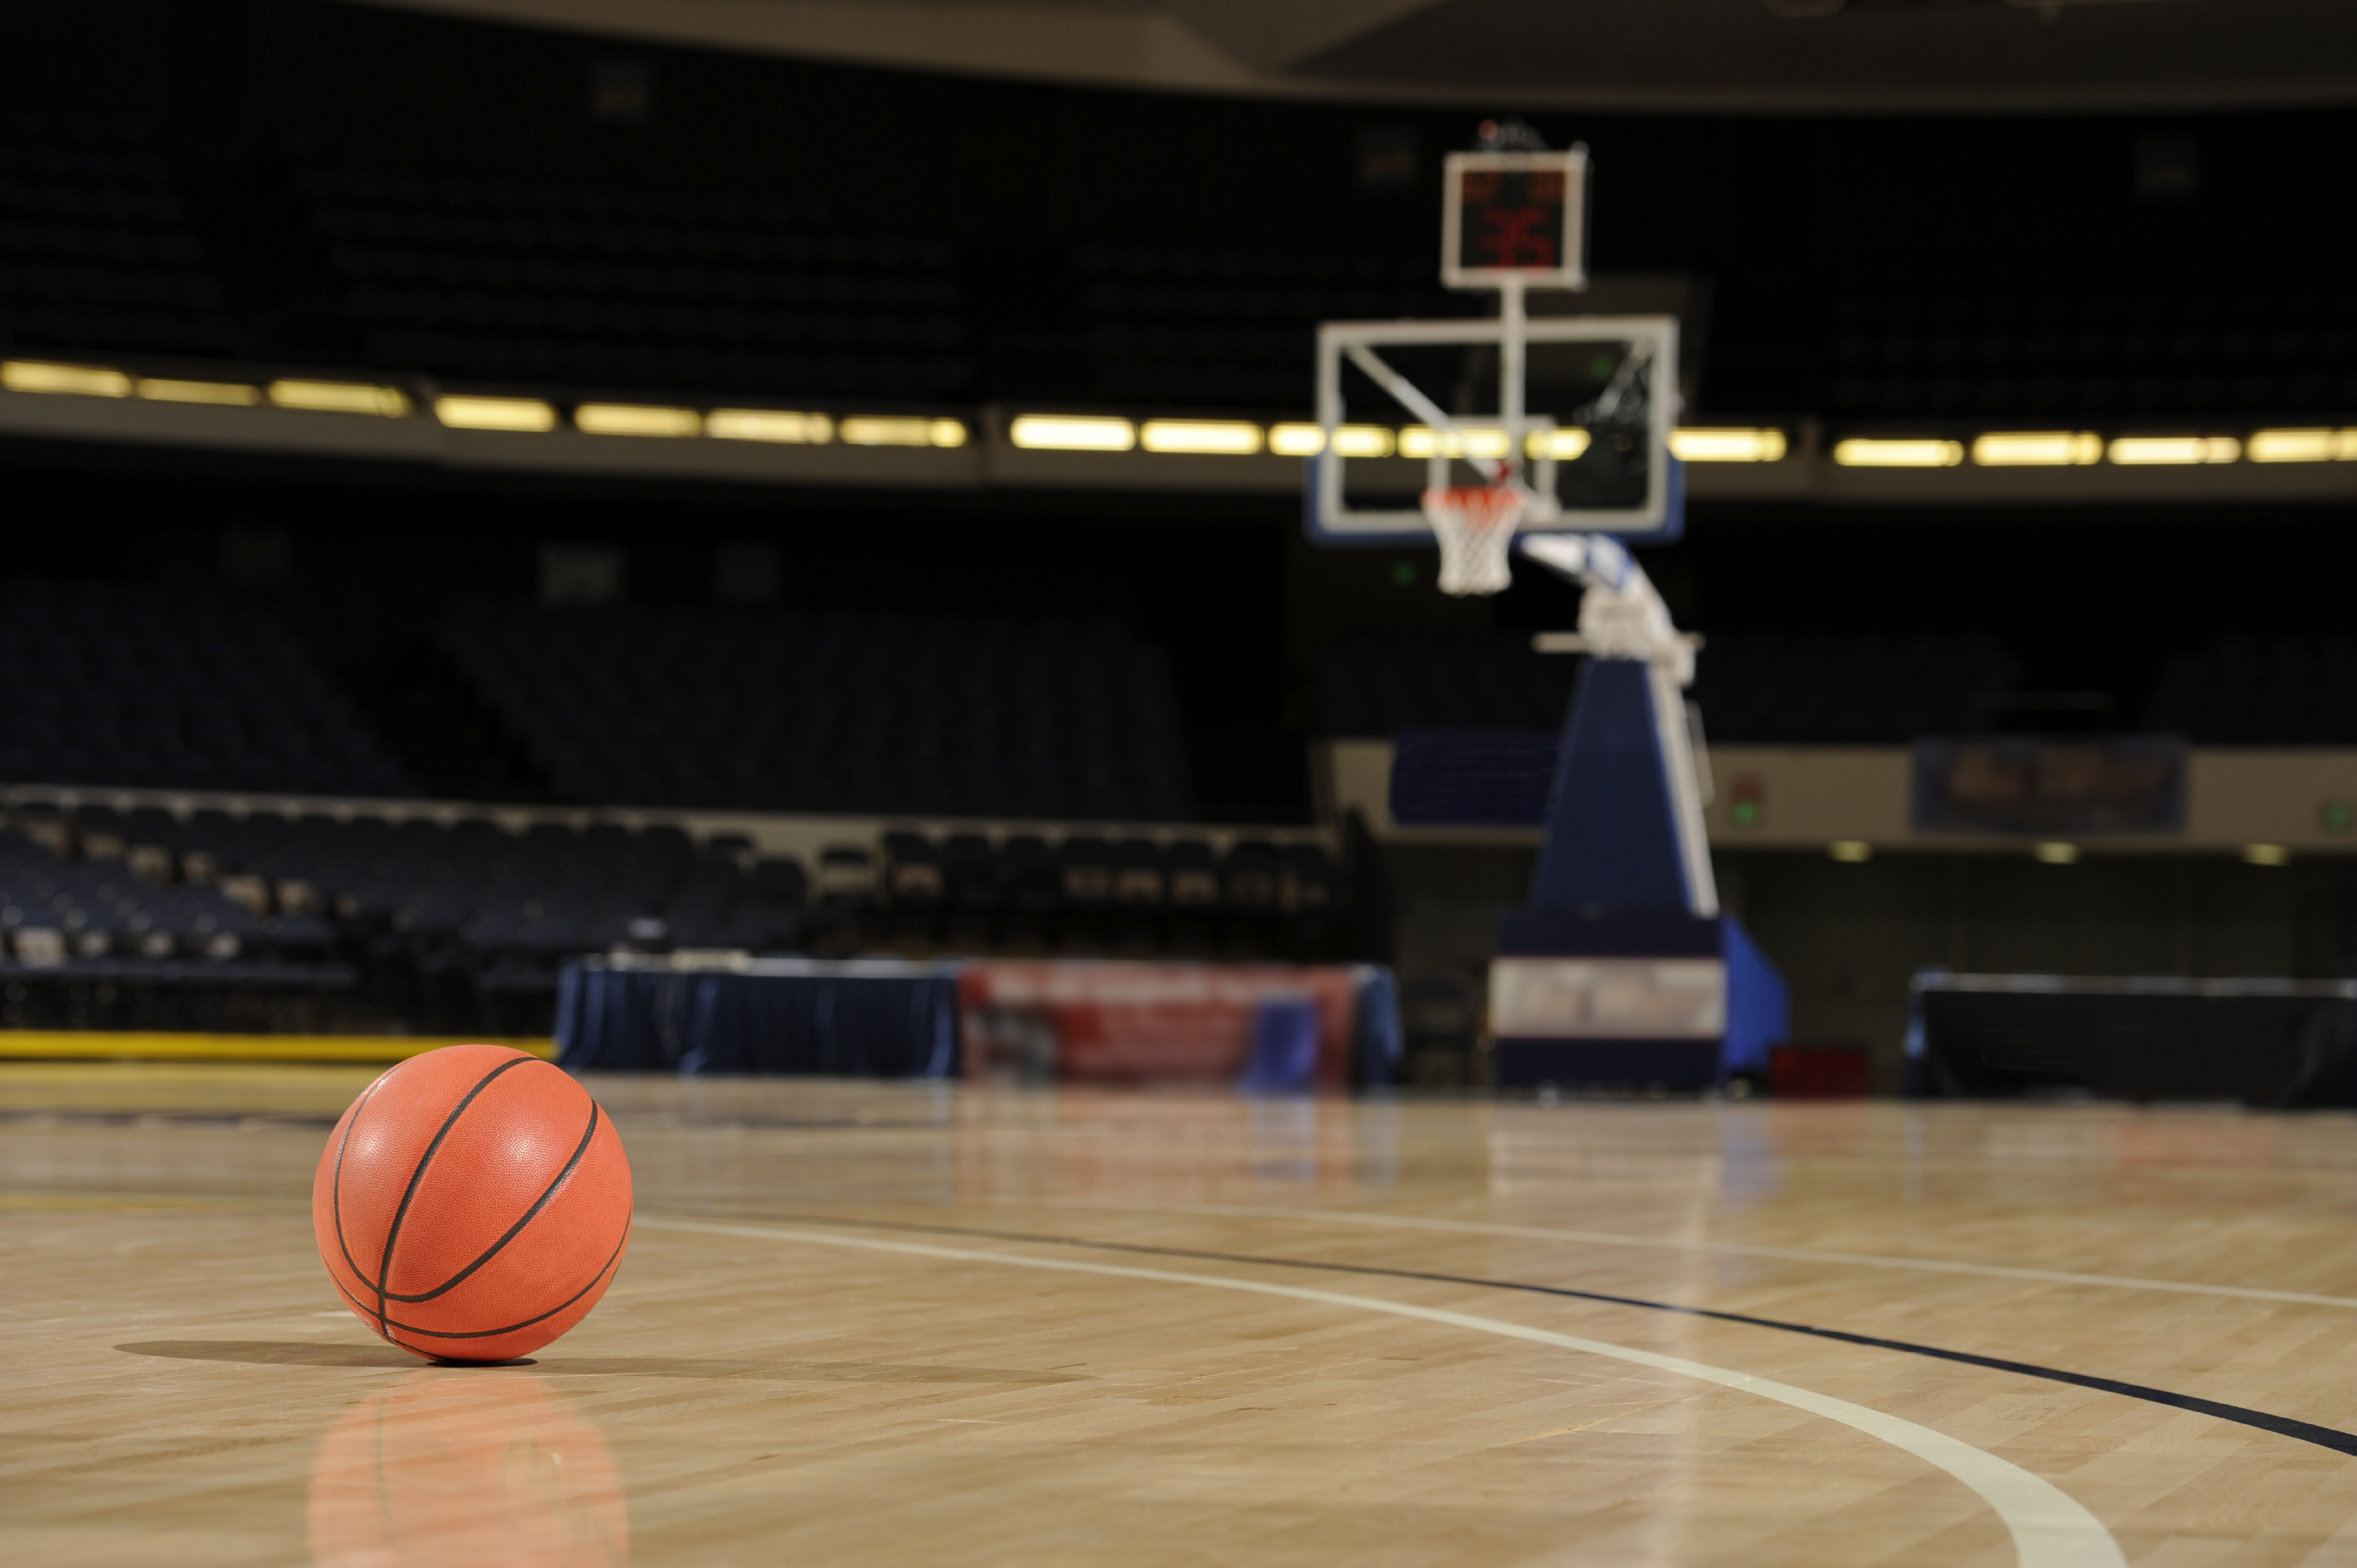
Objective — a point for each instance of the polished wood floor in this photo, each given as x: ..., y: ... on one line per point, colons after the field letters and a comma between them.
x: 900, y: 1324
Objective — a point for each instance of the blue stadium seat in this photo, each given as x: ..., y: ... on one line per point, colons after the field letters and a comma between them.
x: 769, y: 712
x: 150, y: 686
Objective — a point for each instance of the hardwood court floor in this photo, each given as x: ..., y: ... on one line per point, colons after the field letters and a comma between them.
x: 894, y: 1324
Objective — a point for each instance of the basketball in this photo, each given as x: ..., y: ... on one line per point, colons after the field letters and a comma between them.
x: 472, y: 1204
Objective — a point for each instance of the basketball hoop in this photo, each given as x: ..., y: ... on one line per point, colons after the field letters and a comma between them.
x: 1475, y: 525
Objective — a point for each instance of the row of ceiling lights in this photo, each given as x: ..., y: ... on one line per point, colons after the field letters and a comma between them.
x: 461, y: 411
x: 2056, y: 852
x: 2064, y: 449
x: 1245, y: 438
x: 1034, y: 431
x: 2080, y: 448
x: 1224, y: 437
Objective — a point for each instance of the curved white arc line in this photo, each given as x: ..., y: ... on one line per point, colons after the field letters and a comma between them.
x: 2049, y: 1529
x: 1669, y: 1244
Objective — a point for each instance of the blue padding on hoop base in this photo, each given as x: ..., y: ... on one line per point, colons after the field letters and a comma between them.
x: 1612, y: 837
x: 1758, y: 1004
x: 1671, y: 1064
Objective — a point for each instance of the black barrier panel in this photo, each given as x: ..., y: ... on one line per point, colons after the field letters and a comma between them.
x: 837, y: 1022
x: 2262, y: 1042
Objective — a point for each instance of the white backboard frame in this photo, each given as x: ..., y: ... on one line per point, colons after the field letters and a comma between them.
x: 1572, y: 165
x: 1332, y: 518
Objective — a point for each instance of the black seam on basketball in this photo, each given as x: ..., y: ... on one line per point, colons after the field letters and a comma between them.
x: 336, y: 1184
x: 454, y: 1279
x: 393, y: 1232
x: 611, y: 1259
x: 366, y: 1311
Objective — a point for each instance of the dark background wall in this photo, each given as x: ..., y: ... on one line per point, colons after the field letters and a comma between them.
x: 1799, y: 224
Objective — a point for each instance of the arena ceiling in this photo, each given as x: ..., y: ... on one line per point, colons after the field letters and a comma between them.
x: 1796, y: 56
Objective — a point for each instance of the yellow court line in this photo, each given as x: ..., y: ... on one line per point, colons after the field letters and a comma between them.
x: 109, y: 1045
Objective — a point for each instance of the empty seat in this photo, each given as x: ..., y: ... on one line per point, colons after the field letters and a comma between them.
x: 913, y: 876
x: 1250, y: 877
x: 772, y: 712
x: 1086, y: 873
x: 846, y: 878
x: 147, y: 685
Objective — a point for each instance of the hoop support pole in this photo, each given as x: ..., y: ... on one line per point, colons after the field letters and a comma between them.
x: 1510, y: 357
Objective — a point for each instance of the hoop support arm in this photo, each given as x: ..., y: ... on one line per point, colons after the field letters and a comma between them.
x: 1411, y: 397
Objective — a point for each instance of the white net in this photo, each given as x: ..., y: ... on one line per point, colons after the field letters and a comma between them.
x: 1475, y: 525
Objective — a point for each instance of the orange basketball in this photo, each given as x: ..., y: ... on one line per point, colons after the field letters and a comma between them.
x: 473, y: 1204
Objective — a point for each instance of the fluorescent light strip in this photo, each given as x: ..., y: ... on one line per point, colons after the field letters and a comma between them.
x: 1468, y: 440
x: 1860, y: 452
x: 340, y: 397
x: 2145, y: 450
x: 528, y: 415
x: 769, y: 425
x: 2038, y: 449
x: 232, y: 395
x: 1221, y: 437
x: 636, y: 419
x: 2302, y: 447
x: 1071, y: 432
x: 1349, y: 440
x: 899, y: 430
x: 1699, y: 445
x: 70, y: 381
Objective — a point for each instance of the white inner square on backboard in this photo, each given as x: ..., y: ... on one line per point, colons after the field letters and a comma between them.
x: 1597, y: 403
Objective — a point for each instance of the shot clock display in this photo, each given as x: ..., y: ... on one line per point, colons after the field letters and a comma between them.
x: 1515, y: 215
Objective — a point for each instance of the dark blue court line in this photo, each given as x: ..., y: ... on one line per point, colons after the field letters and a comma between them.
x: 2281, y: 1425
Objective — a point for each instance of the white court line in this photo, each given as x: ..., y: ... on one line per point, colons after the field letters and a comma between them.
x: 1672, y: 1244
x: 2049, y: 1529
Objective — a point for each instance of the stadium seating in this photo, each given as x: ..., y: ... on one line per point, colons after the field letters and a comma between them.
x: 628, y: 290
x: 466, y: 923
x: 1752, y: 689
x: 1378, y: 684
x: 1183, y: 326
x: 881, y: 714
x: 1848, y: 691
x: 150, y: 685
x: 588, y: 288
x: 53, y: 910
x: 97, y: 248
x: 2056, y: 355
x: 2248, y: 691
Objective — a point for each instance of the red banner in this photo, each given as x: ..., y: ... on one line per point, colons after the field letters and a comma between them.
x: 1143, y: 1023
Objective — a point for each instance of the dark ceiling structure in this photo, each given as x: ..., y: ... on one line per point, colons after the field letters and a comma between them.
x: 1685, y: 56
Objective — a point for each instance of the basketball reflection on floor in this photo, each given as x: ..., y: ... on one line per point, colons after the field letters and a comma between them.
x: 457, y: 1467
